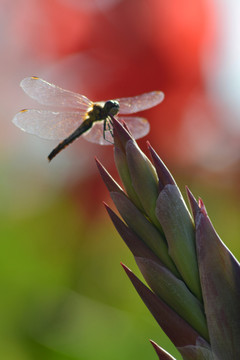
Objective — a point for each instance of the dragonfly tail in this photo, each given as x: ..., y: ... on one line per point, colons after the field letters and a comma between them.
x: 79, y: 131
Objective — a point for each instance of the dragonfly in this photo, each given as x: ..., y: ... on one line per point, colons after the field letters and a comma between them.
x: 75, y: 115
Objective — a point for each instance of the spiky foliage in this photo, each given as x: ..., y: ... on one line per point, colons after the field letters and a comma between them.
x: 193, y: 279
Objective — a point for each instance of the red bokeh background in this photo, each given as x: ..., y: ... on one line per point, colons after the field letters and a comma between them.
x: 109, y: 49
x: 63, y: 294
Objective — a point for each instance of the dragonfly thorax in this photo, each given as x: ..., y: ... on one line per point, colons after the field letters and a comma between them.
x: 101, y: 111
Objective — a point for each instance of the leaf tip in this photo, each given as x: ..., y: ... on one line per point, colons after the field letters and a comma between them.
x: 162, y: 354
x: 202, y: 207
x: 164, y: 175
x: 193, y: 202
x: 108, y: 180
x: 120, y: 133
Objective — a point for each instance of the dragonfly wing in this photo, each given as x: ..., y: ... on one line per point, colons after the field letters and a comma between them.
x: 141, y: 102
x: 49, y: 94
x: 137, y: 126
x: 95, y: 134
x: 48, y: 124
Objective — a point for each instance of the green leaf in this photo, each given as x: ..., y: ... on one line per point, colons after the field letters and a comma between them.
x: 134, y: 243
x: 175, y: 327
x: 175, y: 293
x: 144, y: 229
x: 121, y: 137
x: 144, y: 179
x: 178, y: 228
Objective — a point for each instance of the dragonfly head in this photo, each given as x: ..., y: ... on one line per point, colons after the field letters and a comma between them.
x: 111, y: 107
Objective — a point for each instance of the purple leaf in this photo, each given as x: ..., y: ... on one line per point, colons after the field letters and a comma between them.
x: 177, y: 329
x: 121, y: 134
x: 110, y: 183
x: 121, y: 137
x: 192, y: 201
x: 162, y: 354
x: 143, y: 228
x: 220, y: 280
x: 175, y: 293
x: 134, y: 243
x: 164, y: 175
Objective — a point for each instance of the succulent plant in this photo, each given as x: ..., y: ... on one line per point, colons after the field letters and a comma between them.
x: 193, y: 280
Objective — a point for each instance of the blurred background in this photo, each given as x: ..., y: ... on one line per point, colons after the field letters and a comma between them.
x: 63, y: 292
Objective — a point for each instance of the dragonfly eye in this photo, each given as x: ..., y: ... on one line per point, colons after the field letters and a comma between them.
x: 111, y: 107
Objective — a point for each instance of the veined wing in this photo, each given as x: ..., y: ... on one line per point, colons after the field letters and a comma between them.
x: 49, y: 94
x: 137, y: 126
x: 48, y: 124
x: 141, y: 102
x: 95, y: 134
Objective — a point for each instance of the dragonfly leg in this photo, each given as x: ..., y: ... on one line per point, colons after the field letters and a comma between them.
x: 107, y: 127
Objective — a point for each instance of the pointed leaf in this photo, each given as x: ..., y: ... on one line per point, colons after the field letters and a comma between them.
x: 162, y: 354
x: 110, y: 183
x: 164, y: 175
x: 178, y: 228
x: 121, y: 136
x: 144, y: 179
x: 192, y: 201
x: 134, y: 243
x: 220, y: 279
x: 175, y: 293
x: 177, y: 329
x: 143, y: 228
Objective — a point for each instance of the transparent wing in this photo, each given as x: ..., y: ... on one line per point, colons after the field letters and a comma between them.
x: 48, y: 124
x: 138, y: 126
x: 141, y: 102
x: 49, y: 94
x: 95, y: 134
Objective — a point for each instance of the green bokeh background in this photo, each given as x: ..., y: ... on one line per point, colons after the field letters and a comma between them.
x: 64, y: 294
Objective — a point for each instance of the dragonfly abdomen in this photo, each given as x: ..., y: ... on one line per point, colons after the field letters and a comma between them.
x: 86, y: 125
